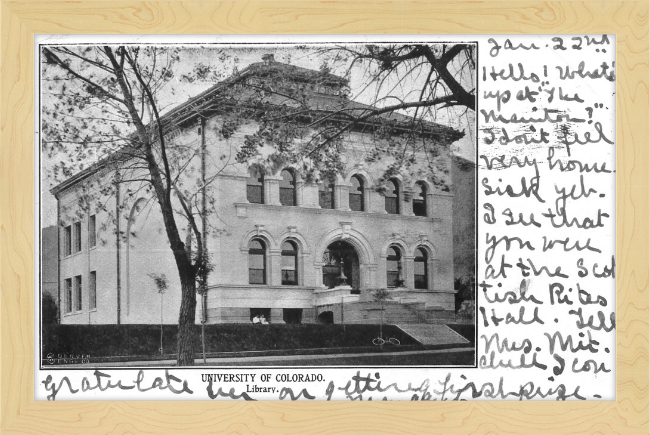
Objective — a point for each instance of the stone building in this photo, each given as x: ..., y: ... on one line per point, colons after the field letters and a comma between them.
x: 293, y: 247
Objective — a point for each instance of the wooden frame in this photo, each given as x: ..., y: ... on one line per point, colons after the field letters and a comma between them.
x: 21, y: 20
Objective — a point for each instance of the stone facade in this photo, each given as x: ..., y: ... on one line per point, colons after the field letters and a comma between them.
x: 107, y: 265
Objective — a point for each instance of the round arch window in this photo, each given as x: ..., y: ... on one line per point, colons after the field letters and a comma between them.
x: 357, y: 193
x: 288, y: 188
x: 420, y: 199
x: 289, y: 263
x: 257, y: 262
x: 255, y: 186
x: 421, y: 269
x: 391, y: 197
x: 394, y: 267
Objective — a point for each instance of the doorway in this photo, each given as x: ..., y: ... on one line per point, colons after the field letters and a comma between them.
x: 341, y: 265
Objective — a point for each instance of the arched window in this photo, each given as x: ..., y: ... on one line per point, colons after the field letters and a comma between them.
x: 288, y: 188
x: 420, y: 199
x: 421, y: 270
x: 392, y: 197
x: 255, y: 186
x: 256, y: 262
x: 289, y: 263
x: 356, y: 194
x: 394, y: 267
x: 326, y: 194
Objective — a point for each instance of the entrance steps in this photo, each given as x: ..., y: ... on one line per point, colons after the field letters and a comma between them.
x: 371, y: 312
x: 433, y: 334
x: 395, y: 313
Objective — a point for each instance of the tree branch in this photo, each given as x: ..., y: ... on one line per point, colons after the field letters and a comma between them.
x: 54, y: 58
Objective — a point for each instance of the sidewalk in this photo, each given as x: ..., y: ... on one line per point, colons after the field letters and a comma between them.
x: 267, y: 360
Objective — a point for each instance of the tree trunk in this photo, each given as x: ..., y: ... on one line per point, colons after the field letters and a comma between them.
x: 186, y: 318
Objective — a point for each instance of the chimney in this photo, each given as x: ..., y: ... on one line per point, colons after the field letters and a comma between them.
x: 268, y: 58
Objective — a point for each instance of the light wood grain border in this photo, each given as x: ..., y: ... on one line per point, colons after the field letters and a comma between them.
x: 21, y: 414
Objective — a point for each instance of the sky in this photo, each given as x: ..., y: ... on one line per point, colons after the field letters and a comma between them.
x: 226, y: 59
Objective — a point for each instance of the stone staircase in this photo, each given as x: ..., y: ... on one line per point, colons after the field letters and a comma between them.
x: 433, y: 334
x: 395, y: 313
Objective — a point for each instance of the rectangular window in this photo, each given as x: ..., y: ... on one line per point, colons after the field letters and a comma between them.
x: 356, y: 202
x: 420, y: 276
x: 287, y: 196
x: 392, y: 273
x: 292, y: 315
x: 256, y: 269
x: 256, y: 276
x: 67, y: 295
x: 289, y: 275
x: 419, y: 207
x: 77, y: 237
x: 391, y: 205
x: 77, y: 292
x: 255, y: 194
x: 92, y: 234
x: 392, y: 279
x: 67, y: 241
x: 92, y: 290
x: 259, y: 312
x: 326, y: 196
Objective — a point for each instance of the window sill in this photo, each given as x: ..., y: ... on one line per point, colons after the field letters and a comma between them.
x: 243, y: 206
x: 260, y: 286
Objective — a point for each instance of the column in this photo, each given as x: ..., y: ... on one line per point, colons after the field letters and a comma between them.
x: 275, y: 267
x: 406, y: 207
x: 310, y: 195
x: 380, y: 273
x: 436, y: 275
x: 432, y: 273
x: 408, y: 271
x: 277, y: 315
x: 342, y: 196
x: 367, y: 203
x: 430, y: 205
x: 272, y: 190
x: 300, y: 184
x: 363, y: 277
x: 318, y: 276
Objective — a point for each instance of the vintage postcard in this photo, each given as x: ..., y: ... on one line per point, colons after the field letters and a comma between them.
x: 303, y: 218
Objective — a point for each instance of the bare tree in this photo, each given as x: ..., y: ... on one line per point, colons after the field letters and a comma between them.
x: 105, y: 101
x: 406, y: 88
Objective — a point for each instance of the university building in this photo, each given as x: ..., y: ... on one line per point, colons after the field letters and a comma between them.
x: 294, y: 248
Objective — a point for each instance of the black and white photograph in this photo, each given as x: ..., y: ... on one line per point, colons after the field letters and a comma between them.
x: 258, y: 204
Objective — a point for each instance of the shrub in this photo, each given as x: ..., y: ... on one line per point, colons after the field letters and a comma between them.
x: 49, y: 310
x: 466, y: 290
x: 144, y: 340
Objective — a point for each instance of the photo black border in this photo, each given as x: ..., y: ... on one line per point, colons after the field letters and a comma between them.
x: 242, y: 367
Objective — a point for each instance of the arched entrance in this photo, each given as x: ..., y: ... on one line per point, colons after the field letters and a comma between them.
x: 341, y: 265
